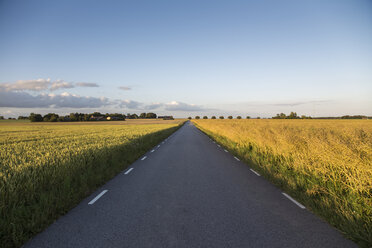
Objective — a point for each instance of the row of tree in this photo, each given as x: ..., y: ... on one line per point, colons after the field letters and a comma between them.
x: 292, y: 115
x: 221, y: 117
x: 9, y: 118
x: 142, y: 116
x: 354, y: 117
x: 96, y: 116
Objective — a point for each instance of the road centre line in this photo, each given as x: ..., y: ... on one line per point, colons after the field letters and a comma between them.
x: 128, y: 171
x: 236, y: 158
x: 144, y: 158
x: 97, y: 197
x: 294, y: 201
x: 255, y: 172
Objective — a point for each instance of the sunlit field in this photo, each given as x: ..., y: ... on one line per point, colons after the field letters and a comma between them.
x: 46, y: 168
x: 325, y: 164
x: 126, y: 122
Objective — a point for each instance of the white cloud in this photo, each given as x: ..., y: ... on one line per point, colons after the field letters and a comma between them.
x: 18, y: 95
x: 172, y: 106
x: 64, y: 100
x: 153, y: 106
x: 21, y: 85
x: 60, y: 84
x: 130, y: 104
x: 42, y: 85
x: 84, y: 84
x: 180, y: 106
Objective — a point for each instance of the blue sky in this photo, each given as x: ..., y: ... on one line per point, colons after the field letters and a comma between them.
x: 184, y: 58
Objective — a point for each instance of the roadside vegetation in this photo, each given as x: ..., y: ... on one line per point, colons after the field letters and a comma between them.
x: 47, y: 168
x: 325, y: 164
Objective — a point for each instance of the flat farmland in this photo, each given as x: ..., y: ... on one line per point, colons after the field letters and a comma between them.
x: 326, y: 164
x: 126, y: 122
x: 47, y: 168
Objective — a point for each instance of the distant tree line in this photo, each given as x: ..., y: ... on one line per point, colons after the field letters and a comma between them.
x: 221, y: 117
x: 96, y: 116
x: 292, y: 115
x: 346, y: 117
x: 142, y: 116
x: 9, y: 118
x: 354, y: 117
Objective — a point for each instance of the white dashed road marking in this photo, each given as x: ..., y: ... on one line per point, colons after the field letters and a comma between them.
x: 127, y: 172
x: 144, y: 158
x: 255, y: 172
x: 294, y: 201
x: 237, y: 158
x: 97, y: 197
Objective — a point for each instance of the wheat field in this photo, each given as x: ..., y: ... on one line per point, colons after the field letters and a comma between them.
x: 45, y: 169
x: 326, y: 164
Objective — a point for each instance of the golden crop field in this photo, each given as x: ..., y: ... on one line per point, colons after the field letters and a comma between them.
x: 45, y: 169
x: 326, y: 164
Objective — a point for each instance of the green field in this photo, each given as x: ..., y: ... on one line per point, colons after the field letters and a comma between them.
x: 47, y: 168
x: 325, y: 164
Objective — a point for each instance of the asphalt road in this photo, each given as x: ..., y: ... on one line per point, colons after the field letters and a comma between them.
x: 189, y: 192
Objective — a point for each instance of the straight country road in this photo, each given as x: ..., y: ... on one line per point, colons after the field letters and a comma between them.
x: 189, y: 192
